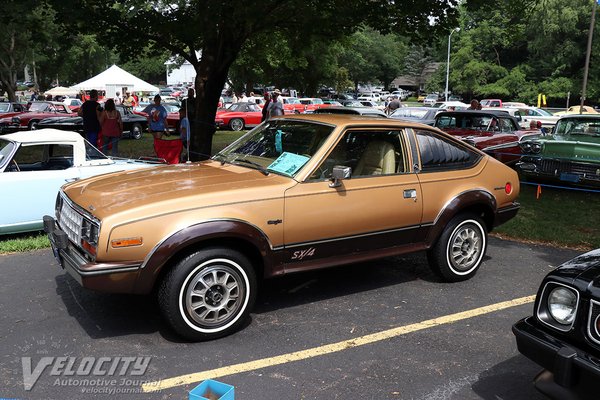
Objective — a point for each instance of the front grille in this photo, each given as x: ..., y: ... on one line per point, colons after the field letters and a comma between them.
x: 592, y: 327
x: 556, y: 167
x: 70, y: 221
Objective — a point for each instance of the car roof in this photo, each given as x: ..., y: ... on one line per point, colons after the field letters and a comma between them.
x: 349, y: 120
x: 349, y: 110
x: 43, y: 136
x: 497, y: 113
x: 580, y: 116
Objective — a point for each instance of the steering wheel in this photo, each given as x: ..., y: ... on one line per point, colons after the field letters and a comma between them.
x: 16, y: 165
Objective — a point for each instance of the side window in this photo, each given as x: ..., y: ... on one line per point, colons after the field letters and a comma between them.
x: 506, y: 125
x: 446, y: 121
x: 441, y: 154
x: 368, y: 153
x: 42, y: 158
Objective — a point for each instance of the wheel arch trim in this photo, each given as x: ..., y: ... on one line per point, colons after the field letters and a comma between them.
x: 181, y: 239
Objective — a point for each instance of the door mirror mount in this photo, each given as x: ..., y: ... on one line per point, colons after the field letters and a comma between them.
x: 339, y: 173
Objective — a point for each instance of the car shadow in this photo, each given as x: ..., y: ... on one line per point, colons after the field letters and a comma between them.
x: 104, y: 315
x: 510, y: 379
x: 313, y: 286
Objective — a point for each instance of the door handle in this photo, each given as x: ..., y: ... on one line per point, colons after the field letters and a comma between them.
x: 410, y: 194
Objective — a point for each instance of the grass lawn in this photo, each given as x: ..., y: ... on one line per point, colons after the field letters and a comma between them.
x: 559, y: 217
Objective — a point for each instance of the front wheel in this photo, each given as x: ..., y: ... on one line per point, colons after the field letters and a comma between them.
x: 236, y: 124
x: 33, y: 125
x: 459, y: 251
x: 136, y: 131
x: 208, y: 294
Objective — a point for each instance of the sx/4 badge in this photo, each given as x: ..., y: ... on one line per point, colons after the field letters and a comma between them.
x: 301, y: 254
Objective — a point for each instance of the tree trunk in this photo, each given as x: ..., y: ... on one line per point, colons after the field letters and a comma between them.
x: 211, y: 75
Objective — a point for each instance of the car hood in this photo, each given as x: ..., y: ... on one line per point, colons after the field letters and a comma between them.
x: 584, y: 268
x: 174, y: 187
x: 573, y: 147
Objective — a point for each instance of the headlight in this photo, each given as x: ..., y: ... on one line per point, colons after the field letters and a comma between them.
x: 526, y: 147
x: 89, y: 236
x: 536, y: 147
x: 562, y: 304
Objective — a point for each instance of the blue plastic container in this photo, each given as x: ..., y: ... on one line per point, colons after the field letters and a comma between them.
x: 222, y: 390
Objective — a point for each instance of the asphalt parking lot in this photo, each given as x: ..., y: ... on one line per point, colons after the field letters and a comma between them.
x: 383, y: 330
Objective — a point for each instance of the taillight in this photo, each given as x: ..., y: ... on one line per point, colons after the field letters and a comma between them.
x: 508, y: 188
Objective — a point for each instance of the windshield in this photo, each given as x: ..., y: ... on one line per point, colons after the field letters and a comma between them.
x: 461, y: 121
x: 278, y: 146
x: 407, y: 112
x: 292, y: 100
x: 6, y: 147
x: 574, y: 126
x: 38, y: 107
x: 544, y: 112
x: 92, y: 153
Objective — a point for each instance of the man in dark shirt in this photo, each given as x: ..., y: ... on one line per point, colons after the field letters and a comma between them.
x: 90, y: 111
x: 267, y: 98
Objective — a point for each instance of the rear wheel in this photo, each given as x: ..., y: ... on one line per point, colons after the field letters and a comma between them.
x: 208, y: 294
x: 459, y: 251
x: 32, y: 125
x: 236, y: 124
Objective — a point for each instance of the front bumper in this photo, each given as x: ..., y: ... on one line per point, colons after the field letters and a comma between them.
x: 571, y: 373
x: 104, y: 277
x: 580, y: 173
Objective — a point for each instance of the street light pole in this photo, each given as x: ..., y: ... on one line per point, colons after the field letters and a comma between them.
x: 587, y: 58
x: 448, y: 62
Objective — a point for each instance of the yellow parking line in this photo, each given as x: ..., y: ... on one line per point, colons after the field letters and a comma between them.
x: 331, y: 348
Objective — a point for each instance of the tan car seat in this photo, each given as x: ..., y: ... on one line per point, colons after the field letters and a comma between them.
x: 379, y: 158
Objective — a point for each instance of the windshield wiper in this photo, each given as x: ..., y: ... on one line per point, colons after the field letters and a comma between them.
x: 223, y: 158
x: 262, y: 169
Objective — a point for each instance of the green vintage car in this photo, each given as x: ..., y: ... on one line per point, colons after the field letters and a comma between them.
x: 571, y: 154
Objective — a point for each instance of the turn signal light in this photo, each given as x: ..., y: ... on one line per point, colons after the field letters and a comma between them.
x: 508, y: 188
x: 128, y: 242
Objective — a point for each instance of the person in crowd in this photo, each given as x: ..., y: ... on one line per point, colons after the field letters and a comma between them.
x: 243, y: 98
x: 474, y: 105
x: 136, y: 100
x: 190, y: 105
x: 128, y: 100
x: 184, y: 127
x: 118, y: 98
x: 393, y: 105
x: 275, y: 107
x: 265, y: 109
x: 33, y: 96
x: 157, y: 118
x: 112, y: 127
x: 234, y: 98
x: 90, y: 112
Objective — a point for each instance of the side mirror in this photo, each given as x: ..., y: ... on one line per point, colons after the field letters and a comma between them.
x: 339, y: 173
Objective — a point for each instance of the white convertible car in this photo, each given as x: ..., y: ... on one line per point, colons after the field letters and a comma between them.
x: 35, y: 164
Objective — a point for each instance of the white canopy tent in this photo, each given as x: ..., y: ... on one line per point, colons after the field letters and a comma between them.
x: 61, y: 91
x: 113, y: 80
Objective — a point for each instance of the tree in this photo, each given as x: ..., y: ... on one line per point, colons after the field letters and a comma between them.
x: 28, y: 33
x: 220, y: 29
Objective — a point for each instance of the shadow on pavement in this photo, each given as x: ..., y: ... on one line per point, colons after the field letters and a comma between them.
x: 511, y: 379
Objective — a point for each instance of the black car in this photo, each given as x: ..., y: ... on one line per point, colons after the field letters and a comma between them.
x: 563, y: 335
x: 367, y: 111
x: 134, y: 125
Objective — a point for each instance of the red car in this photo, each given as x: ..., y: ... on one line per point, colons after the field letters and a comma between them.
x: 38, y: 110
x: 495, y: 132
x: 239, y: 116
x: 311, y: 104
x: 292, y: 105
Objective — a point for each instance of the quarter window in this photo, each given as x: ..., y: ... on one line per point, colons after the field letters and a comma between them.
x: 441, y: 154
